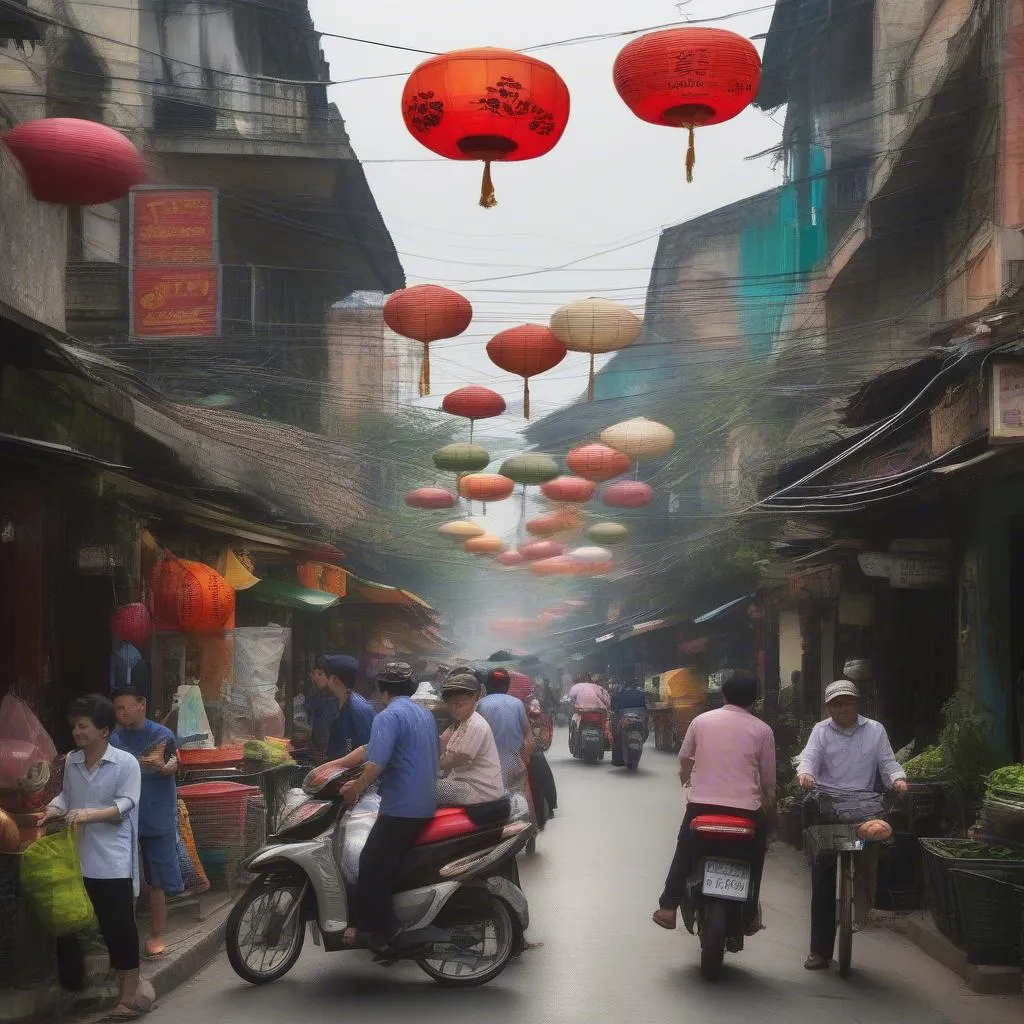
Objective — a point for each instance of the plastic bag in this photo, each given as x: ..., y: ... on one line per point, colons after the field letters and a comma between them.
x: 194, y: 732
x: 357, y: 827
x: 51, y: 878
x: 24, y: 745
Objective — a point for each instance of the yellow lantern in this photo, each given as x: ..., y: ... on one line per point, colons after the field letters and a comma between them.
x: 639, y: 438
x: 595, y: 326
x: 486, y: 544
x: 461, y: 530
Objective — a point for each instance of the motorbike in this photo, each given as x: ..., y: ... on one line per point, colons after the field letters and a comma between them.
x: 587, y: 737
x: 719, y: 886
x: 461, y: 917
x: 629, y: 737
x: 563, y: 713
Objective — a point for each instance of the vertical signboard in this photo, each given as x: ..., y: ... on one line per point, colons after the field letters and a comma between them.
x: 175, y: 271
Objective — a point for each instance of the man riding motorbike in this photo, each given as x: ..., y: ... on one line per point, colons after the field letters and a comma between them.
x: 627, y: 697
x: 586, y: 695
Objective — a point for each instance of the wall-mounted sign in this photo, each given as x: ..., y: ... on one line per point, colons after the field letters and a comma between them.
x: 171, y: 226
x: 919, y: 573
x: 961, y: 415
x: 1007, y: 401
x: 175, y: 302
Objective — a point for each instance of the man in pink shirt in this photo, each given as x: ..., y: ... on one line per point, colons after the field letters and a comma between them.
x: 589, y: 696
x: 727, y: 762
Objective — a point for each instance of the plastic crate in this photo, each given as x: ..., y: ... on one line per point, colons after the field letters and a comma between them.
x: 992, y: 917
x: 214, y: 757
x: 938, y: 858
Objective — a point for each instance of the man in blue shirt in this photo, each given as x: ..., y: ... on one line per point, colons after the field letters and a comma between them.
x: 403, y: 754
x: 154, y: 747
x: 350, y: 729
x: 506, y: 715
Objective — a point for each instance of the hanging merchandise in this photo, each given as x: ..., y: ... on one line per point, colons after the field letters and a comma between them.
x: 131, y: 624
x: 526, y: 351
x: 598, y: 462
x: 510, y: 559
x: 486, y: 104
x: 70, y: 161
x: 530, y: 470
x: 689, y: 78
x: 462, y: 458
x: 608, y: 533
x: 486, y: 487
x: 595, y: 326
x: 540, y: 549
x: 194, y: 732
x: 640, y: 438
x: 570, y: 489
x: 427, y: 313
x: 204, y: 601
x: 627, y: 494
x: 486, y: 544
x: 461, y: 530
x: 563, y: 520
x: 252, y: 711
x: 236, y: 571
x: 431, y: 498
x: 474, y: 403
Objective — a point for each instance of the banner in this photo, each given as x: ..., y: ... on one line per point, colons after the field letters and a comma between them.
x: 172, y: 226
x: 175, y: 302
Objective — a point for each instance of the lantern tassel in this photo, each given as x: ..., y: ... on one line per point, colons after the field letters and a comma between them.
x: 487, y: 197
x: 526, y: 397
x: 590, y: 380
x: 425, y: 372
x: 691, y: 156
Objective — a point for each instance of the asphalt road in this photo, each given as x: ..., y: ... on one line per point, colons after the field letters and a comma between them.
x: 592, y: 887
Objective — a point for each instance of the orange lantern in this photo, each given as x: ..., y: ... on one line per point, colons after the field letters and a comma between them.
x: 485, y: 487
x: 563, y: 520
x: 426, y: 313
x: 310, y: 574
x: 558, y: 566
x: 205, y: 600
x: 486, y: 104
x: 526, y: 351
x: 487, y: 544
x: 510, y: 559
x: 163, y: 587
x: 538, y: 550
x: 598, y: 462
x: 572, y: 489
x: 689, y: 78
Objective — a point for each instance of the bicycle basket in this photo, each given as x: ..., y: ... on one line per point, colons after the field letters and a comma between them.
x: 825, y: 840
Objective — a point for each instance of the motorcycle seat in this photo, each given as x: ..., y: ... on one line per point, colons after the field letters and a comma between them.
x: 452, y: 822
x: 723, y: 824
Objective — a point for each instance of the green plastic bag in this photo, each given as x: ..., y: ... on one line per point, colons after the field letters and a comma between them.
x: 51, y: 878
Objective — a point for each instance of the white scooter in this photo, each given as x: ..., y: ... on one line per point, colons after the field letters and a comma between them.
x: 461, y: 917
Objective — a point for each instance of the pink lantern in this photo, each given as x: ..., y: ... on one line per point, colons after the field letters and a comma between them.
x: 539, y: 549
x: 628, y: 494
x: 431, y: 498
x: 510, y: 559
x: 569, y: 489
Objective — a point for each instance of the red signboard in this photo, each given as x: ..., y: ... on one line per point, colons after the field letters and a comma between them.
x: 175, y: 302
x: 174, y: 225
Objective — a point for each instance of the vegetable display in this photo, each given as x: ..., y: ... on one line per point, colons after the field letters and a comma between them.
x: 1010, y: 778
x: 929, y: 764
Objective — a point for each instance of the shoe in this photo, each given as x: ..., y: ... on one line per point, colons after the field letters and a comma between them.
x: 665, y: 918
x: 815, y: 962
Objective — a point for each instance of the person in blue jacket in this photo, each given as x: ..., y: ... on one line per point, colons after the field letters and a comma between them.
x: 350, y: 730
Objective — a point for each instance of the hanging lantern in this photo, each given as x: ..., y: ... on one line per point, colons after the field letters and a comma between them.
x: 474, y: 403
x: 593, y: 568
x: 80, y: 163
x: 572, y: 489
x: 597, y: 462
x: 510, y: 559
x: 689, y: 78
x: 461, y: 530
x: 563, y: 520
x: 204, y: 601
x: 627, y: 494
x: 640, y: 438
x: 486, y: 104
x: 431, y: 498
x: 163, y: 587
x: 486, y: 544
x: 462, y: 458
x: 426, y: 313
x: 486, y: 487
x: 607, y: 533
x: 526, y: 351
x: 131, y: 624
x: 595, y: 326
x: 590, y: 556
x: 530, y: 470
x: 558, y: 566
x: 538, y: 549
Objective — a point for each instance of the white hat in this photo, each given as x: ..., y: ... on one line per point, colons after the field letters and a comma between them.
x: 841, y: 688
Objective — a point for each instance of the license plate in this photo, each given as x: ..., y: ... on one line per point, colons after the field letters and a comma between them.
x: 726, y: 879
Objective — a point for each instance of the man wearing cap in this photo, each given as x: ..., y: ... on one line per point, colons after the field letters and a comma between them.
x: 843, y: 759
x: 511, y: 727
x: 350, y: 729
x: 469, y: 756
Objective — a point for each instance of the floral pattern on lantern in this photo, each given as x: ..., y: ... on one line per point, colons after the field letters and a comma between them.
x: 595, y: 326
x: 526, y: 351
x: 598, y: 462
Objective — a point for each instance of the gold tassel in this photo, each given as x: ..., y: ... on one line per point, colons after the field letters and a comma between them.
x: 691, y: 156
x: 526, y: 397
x: 487, y: 199
x: 425, y: 372
x: 590, y: 382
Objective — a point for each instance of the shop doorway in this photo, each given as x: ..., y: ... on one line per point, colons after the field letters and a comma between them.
x: 1015, y: 709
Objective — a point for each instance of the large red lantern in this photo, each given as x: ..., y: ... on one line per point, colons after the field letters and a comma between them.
x: 163, y: 586
x: 474, y: 403
x: 426, y: 313
x: 486, y: 104
x: 131, y: 624
x: 82, y: 163
x: 205, y: 601
x: 526, y: 351
x: 431, y: 498
x: 628, y: 494
x: 597, y: 462
x: 538, y: 549
x: 689, y: 78
x: 486, y: 487
x: 573, y: 489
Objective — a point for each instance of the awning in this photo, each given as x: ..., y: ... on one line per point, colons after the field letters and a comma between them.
x: 717, y: 613
x: 291, y: 595
x: 379, y: 593
x: 30, y: 447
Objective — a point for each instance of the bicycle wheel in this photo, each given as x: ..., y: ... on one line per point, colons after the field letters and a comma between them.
x: 844, y: 915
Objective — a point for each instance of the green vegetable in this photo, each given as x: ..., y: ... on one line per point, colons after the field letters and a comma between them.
x: 929, y: 764
x: 1010, y: 778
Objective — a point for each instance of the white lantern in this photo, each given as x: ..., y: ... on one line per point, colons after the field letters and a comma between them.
x: 640, y: 438
x: 590, y: 556
x: 595, y: 326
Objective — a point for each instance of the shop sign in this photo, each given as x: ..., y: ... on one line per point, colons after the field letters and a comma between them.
x: 172, y: 226
x: 175, y: 302
x: 1007, y: 401
x: 961, y: 416
x: 919, y: 573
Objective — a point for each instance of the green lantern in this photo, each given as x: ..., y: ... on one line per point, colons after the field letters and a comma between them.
x: 607, y: 533
x: 530, y: 470
x: 462, y: 458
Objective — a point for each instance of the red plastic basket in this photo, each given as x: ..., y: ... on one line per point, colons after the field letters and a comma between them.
x: 215, y: 757
x: 217, y: 812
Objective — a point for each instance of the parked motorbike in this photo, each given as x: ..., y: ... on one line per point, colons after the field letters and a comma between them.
x: 719, y: 888
x: 629, y: 737
x: 461, y: 917
x: 586, y: 738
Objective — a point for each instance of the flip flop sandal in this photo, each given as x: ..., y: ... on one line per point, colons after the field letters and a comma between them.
x: 125, y: 1014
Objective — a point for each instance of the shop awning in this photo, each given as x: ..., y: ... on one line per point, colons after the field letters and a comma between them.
x: 33, y: 448
x: 291, y: 595
x: 379, y: 593
x: 717, y: 613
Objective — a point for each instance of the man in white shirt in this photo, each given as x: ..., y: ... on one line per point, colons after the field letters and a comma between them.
x: 100, y: 799
x: 469, y: 762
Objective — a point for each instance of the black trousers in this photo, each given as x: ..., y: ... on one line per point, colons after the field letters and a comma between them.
x: 113, y: 900
x: 823, y: 906
x: 389, y: 841
x: 682, y: 862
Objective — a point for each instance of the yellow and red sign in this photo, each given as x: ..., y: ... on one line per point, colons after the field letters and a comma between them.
x: 175, y: 302
x: 172, y: 226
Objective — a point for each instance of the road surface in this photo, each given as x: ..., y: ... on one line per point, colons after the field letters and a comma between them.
x: 592, y: 887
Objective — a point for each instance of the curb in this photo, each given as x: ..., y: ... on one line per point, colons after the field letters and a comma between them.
x: 186, y: 965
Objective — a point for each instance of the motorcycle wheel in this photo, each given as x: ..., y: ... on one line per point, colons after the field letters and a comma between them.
x: 592, y: 754
x: 475, y: 916
x: 259, y: 950
x: 713, y: 934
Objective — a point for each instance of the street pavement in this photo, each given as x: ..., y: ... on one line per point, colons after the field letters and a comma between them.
x: 592, y: 887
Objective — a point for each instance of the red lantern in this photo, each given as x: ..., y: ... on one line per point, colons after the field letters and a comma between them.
x: 163, y: 585
x: 474, y: 403
x: 688, y: 78
x: 628, y: 494
x: 539, y: 549
x: 426, y: 313
x: 485, y: 487
x: 597, y: 462
x: 553, y: 567
x: 66, y: 160
x: 431, y: 498
x: 486, y: 104
x: 572, y: 489
x: 205, y: 600
x: 131, y: 624
x: 526, y: 350
x: 564, y: 520
x: 510, y: 559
